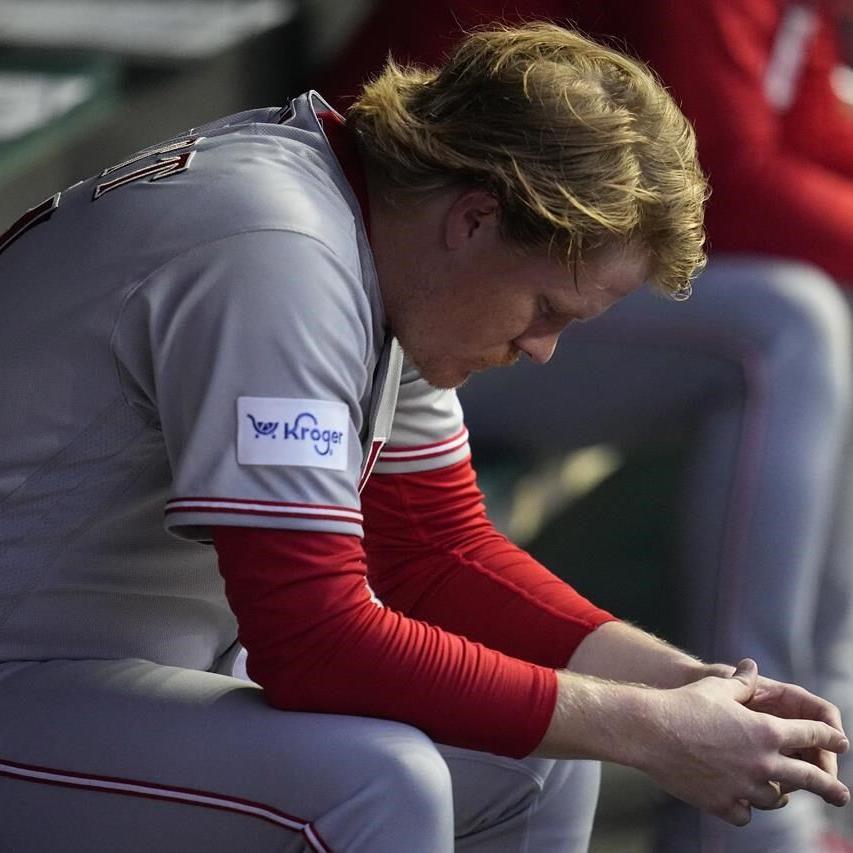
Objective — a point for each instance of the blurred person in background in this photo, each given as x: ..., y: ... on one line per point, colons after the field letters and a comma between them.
x: 756, y: 363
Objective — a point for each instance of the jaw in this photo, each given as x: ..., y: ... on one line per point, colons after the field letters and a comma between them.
x: 443, y: 375
x: 440, y: 371
x: 445, y: 372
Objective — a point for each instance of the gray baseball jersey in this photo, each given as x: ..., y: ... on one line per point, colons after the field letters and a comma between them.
x: 199, y: 332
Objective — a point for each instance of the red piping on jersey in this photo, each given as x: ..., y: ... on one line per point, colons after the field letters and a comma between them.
x: 375, y: 450
x: 263, y: 513
x: 342, y: 141
x: 411, y: 454
x: 169, y: 793
x: 400, y: 456
x: 410, y: 448
x: 292, y: 504
x: 310, y: 512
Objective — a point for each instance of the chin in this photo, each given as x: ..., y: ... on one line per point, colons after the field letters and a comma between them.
x: 453, y: 376
x: 446, y: 379
x: 441, y: 375
x: 442, y: 371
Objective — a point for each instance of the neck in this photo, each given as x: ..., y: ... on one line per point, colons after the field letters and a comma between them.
x: 404, y: 237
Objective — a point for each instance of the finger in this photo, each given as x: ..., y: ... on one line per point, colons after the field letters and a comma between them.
x: 826, y: 761
x: 822, y: 758
x: 815, y: 708
x: 767, y: 796
x: 801, y: 775
x: 744, y: 679
x: 738, y: 813
x: 793, y: 702
x: 786, y: 788
x: 812, y: 707
x: 799, y: 735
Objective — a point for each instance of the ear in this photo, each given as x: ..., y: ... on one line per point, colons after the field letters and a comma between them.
x: 473, y: 215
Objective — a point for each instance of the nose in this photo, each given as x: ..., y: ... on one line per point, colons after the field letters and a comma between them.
x: 538, y: 348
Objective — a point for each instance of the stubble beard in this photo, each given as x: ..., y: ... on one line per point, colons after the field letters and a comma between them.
x: 439, y: 371
x: 449, y: 376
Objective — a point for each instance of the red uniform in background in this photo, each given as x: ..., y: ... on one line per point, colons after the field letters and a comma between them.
x: 755, y: 77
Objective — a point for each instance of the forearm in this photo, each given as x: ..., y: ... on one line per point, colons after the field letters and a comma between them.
x: 592, y: 717
x: 434, y: 555
x: 610, y: 698
x: 624, y: 653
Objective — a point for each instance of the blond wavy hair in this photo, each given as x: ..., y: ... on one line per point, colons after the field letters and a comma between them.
x: 581, y: 145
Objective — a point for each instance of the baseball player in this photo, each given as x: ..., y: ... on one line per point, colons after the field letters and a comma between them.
x: 254, y: 331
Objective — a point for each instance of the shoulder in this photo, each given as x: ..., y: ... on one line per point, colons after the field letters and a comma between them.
x: 240, y: 174
x: 252, y: 180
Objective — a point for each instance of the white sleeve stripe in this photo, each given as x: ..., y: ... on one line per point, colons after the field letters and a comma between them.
x: 288, y: 510
x: 264, y: 513
x: 259, y: 502
x: 427, y: 451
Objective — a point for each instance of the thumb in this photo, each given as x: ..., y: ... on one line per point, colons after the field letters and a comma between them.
x: 745, y: 679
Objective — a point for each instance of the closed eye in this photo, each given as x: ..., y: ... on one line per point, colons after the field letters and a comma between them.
x: 546, y: 309
x: 553, y: 316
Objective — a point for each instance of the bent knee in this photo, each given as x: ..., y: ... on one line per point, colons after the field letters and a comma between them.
x: 796, y: 319
x: 790, y: 297
x: 409, y: 769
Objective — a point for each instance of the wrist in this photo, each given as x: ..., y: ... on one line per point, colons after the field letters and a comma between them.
x: 695, y: 670
x: 603, y: 720
x: 691, y: 669
x: 621, y: 652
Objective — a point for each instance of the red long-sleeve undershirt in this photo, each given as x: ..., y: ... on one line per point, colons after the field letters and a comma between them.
x: 465, y: 645
x: 434, y: 555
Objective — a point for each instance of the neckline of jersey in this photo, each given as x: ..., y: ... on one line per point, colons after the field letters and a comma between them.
x: 343, y: 145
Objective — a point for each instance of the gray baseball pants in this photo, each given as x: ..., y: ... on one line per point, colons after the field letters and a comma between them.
x: 100, y: 755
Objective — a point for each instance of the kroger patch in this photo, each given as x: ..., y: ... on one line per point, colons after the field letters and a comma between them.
x: 287, y: 431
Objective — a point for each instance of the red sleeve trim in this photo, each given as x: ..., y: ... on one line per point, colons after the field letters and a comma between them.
x: 462, y: 434
x: 318, y: 641
x: 370, y: 464
x: 424, y: 451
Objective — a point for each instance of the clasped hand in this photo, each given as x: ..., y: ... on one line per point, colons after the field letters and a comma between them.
x: 746, y: 741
